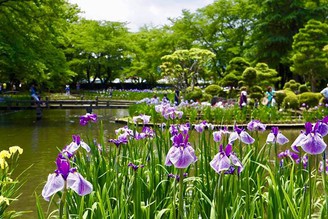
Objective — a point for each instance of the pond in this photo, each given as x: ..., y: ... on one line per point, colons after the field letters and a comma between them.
x: 42, y: 139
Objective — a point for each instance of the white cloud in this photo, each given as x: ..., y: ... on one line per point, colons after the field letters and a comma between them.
x: 137, y: 12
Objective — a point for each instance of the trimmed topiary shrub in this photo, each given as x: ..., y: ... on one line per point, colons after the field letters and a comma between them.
x: 213, y: 89
x: 295, y: 87
x: 287, y: 85
x: 280, y: 96
x: 303, y: 88
x: 206, y: 97
x: 257, y: 89
x: 291, y: 100
x: 310, y: 99
x: 194, y: 95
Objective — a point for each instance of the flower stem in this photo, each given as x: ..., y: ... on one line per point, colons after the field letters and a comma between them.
x: 180, y: 212
x: 310, y: 192
x: 324, y: 178
x: 62, y: 204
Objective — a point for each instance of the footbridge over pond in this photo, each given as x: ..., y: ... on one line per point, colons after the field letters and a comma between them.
x: 15, y: 104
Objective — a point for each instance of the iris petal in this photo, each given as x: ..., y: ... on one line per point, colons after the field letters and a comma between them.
x: 55, y: 183
x: 76, y: 182
x: 217, y: 136
x: 246, y: 138
x: 313, y: 144
x: 270, y: 138
x: 85, y: 146
x: 281, y: 139
x: 180, y: 157
x: 233, y: 137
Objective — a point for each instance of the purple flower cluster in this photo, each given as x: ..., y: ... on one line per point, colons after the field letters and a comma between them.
x: 125, y: 134
x: 84, y: 120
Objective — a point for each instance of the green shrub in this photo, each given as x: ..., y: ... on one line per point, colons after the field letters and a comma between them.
x: 256, y: 88
x: 213, y: 89
x: 290, y: 101
x: 256, y: 95
x: 295, y: 87
x: 206, y: 97
x: 287, y: 85
x: 280, y: 96
x: 194, y: 95
x: 310, y: 99
x: 303, y: 88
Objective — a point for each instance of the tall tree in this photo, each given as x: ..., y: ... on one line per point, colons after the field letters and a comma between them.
x: 98, y: 49
x: 147, y: 48
x: 309, y: 58
x: 222, y: 27
x: 31, y: 40
x: 184, y: 67
x: 277, y: 22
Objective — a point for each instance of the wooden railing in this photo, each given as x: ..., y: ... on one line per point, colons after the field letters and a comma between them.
x: 63, y: 104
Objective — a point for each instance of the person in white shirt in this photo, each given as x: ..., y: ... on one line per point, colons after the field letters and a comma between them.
x: 324, y: 93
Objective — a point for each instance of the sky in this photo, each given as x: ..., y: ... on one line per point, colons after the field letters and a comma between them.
x: 137, y: 13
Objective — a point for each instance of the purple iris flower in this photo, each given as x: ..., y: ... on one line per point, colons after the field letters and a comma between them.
x: 226, y: 161
x: 176, y: 177
x: 124, y: 131
x: 87, y: 117
x: 122, y: 139
x: 65, y: 177
x: 322, y: 126
x: 162, y: 108
x: 144, y: 118
x: 75, y: 145
x: 217, y: 135
x: 242, y: 135
x: 174, y: 130
x: 172, y: 113
x: 184, y: 128
x: 276, y: 137
x: 311, y: 140
x: 293, y: 155
x: 256, y: 125
x: 181, y: 154
x: 146, y: 132
x: 134, y: 166
x: 200, y: 127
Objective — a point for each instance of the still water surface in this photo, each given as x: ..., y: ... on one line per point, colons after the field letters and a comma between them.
x: 41, y: 140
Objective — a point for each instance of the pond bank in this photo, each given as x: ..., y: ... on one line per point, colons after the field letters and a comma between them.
x: 298, y: 125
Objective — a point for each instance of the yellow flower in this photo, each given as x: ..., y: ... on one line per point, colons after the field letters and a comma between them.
x: 14, y: 149
x: 3, y: 163
x: 4, y: 199
x: 4, y: 154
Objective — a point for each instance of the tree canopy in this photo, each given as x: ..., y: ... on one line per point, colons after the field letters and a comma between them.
x: 45, y: 41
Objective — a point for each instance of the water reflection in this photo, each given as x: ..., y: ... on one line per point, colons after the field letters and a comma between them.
x: 41, y: 141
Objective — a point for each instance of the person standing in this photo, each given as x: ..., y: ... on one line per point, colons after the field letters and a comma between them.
x: 176, y: 97
x: 34, y: 93
x: 270, y: 96
x: 67, y: 89
x: 243, y: 98
x: 324, y: 93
